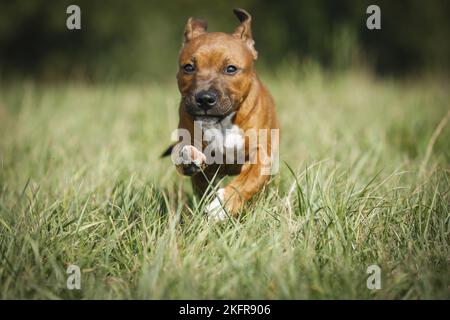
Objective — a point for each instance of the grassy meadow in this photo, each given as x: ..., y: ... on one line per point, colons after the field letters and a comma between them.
x: 364, y: 179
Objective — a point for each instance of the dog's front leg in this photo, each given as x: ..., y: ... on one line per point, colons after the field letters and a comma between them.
x: 230, y: 199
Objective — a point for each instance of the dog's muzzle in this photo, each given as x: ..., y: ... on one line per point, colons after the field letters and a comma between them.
x: 208, y: 102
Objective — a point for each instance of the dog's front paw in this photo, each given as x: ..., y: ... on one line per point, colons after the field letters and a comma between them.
x: 215, y: 210
x: 191, y: 160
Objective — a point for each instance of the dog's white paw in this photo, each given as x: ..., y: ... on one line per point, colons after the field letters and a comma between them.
x: 215, y: 211
x: 190, y: 154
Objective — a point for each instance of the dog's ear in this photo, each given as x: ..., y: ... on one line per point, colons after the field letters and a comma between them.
x: 194, y: 28
x: 244, y: 30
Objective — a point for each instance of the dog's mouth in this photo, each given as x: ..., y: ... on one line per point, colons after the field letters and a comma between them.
x: 205, y: 115
x: 209, y: 116
x: 207, y: 119
x: 216, y: 120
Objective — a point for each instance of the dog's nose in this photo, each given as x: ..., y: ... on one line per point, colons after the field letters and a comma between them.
x: 206, y: 99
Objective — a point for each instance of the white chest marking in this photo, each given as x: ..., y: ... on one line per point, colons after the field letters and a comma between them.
x: 222, y: 136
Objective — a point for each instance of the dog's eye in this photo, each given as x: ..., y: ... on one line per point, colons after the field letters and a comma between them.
x: 188, y: 68
x: 231, y: 69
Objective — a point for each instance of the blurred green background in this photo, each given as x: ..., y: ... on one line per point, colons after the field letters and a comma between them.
x: 135, y: 40
x: 364, y: 154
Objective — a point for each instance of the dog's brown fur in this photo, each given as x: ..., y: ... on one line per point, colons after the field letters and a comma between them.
x: 245, y: 94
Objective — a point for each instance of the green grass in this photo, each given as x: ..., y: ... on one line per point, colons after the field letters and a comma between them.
x: 81, y: 183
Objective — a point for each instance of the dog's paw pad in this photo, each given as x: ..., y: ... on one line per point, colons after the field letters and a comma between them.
x: 215, y: 210
x: 190, y: 154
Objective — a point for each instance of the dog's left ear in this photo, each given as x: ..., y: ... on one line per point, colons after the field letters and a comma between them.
x: 244, y: 30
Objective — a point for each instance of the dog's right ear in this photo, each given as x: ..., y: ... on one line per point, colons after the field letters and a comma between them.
x: 194, y: 28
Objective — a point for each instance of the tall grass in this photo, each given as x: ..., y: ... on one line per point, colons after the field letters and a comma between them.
x: 81, y: 183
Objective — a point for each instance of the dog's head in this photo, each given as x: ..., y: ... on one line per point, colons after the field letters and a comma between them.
x: 216, y: 69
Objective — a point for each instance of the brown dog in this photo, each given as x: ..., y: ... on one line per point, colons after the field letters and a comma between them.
x: 228, y: 124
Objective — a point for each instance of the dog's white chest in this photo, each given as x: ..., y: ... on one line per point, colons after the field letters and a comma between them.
x: 223, y: 136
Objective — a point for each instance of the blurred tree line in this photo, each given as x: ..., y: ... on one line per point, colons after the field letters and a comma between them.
x: 141, y: 39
